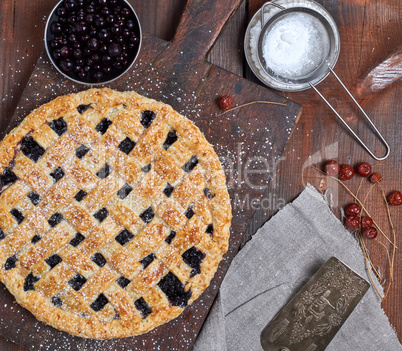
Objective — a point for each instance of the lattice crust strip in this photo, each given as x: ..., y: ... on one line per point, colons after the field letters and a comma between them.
x: 114, y: 213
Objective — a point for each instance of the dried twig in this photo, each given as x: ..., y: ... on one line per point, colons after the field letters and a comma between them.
x: 360, y: 185
x: 367, y: 255
x: 394, y: 237
x: 361, y: 205
x: 368, y: 264
x: 371, y: 188
x: 390, y: 256
x: 251, y: 103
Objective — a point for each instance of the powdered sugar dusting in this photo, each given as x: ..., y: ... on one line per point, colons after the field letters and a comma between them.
x: 296, y: 45
x: 185, y: 102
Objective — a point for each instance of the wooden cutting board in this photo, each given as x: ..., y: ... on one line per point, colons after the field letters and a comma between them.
x: 249, y: 142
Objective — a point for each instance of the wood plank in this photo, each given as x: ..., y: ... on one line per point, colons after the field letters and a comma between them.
x: 23, y: 44
x: 369, y: 32
x: 228, y: 51
x: 190, y: 84
x: 159, y: 18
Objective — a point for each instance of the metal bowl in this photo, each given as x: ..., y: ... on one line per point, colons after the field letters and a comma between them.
x: 274, y: 14
x: 107, y: 78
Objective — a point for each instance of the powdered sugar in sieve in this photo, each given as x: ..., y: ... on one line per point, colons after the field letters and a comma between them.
x: 295, y: 45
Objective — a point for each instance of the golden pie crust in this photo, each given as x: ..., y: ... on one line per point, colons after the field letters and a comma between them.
x: 114, y: 213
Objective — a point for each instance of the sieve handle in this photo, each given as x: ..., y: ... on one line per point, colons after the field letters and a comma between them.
x: 347, y: 126
x: 263, y: 10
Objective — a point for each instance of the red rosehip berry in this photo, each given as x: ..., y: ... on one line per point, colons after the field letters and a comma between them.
x: 225, y: 102
x: 395, y: 198
x: 352, y: 222
x: 346, y: 172
x: 332, y: 168
x: 366, y: 222
x: 375, y: 178
x: 364, y: 169
x: 370, y: 232
x: 352, y: 209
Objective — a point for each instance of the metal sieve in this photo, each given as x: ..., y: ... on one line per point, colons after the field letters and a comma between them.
x: 324, y: 58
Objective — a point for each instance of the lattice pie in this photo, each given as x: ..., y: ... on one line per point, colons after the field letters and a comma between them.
x: 114, y: 213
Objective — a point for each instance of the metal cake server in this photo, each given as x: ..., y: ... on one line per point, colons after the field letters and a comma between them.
x: 313, y: 317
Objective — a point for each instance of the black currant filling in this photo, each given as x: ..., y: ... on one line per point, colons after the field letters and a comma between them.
x: 189, y: 212
x: 171, y: 236
x: 174, y: 290
x: 101, y: 214
x: 19, y: 217
x: 10, y: 263
x: 98, y: 259
x: 146, y: 168
x: 81, y: 151
x: 36, y: 238
x: 2, y: 234
x: 53, y: 261
x: 93, y: 41
x: 59, y: 126
x: 100, y: 302
x: 55, y: 219
x: 104, y: 171
x: 168, y: 190
x: 193, y: 257
x: 34, y: 197
x: 82, y: 108
x: 31, y: 148
x: 147, y: 118
x: 123, y: 282
x: 147, y: 215
x: 77, y: 240
x: 208, y: 193
x: 30, y: 281
x: 142, y: 306
x: 190, y: 165
x: 7, y: 178
x: 124, y: 191
x: 127, y: 145
x: 57, y: 174
x: 57, y: 301
x: 124, y: 237
x: 170, y: 139
x: 116, y: 315
x: 80, y: 195
x: 147, y: 260
x: 77, y: 282
x: 103, y: 125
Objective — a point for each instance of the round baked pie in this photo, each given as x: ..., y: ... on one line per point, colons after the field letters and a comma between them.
x: 114, y: 213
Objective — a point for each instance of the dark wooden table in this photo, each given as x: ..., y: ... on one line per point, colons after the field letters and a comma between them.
x: 370, y: 32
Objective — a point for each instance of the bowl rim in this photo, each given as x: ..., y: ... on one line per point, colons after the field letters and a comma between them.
x: 90, y: 83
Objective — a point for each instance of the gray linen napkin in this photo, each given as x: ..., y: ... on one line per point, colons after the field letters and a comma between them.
x: 274, y: 265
